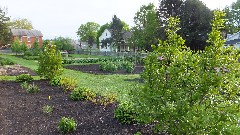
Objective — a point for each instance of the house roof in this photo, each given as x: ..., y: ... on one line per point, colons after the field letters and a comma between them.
x: 24, y: 32
x: 231, y: 42
x: 230, y: 36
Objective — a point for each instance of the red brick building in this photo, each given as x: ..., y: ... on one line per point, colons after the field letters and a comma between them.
x: 27, y: 36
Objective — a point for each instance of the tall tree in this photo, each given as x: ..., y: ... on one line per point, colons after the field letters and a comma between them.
x: 63, y: 43
x: 195, y: 23
x: 146, y: 27
x: 5, y: 34
x: 21, y: 24
x: 88, y: 32
x: 117, y: 31
x: 233, y: 17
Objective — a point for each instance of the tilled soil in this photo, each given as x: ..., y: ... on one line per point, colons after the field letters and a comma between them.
x: 21, y: 113
x: 95, y: 69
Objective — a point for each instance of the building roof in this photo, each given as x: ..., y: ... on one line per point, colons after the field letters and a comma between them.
x: 232, y: 42
x: 24, y: 32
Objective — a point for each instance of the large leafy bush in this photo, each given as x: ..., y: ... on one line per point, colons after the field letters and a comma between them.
x: 190, y: 93
x: 50, y: 63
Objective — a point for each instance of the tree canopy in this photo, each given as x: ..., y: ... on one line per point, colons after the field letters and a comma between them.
x: 5, y: 34
x: 21, y: 24
x: 88, y: 32
x: 63, y: 43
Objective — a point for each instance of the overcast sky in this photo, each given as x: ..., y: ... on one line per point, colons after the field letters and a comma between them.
x: 63, y: 17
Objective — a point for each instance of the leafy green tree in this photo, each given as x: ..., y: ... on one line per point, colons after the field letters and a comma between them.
x: 63, y: 44
x: 16, y: 46
x: 190, y: 93
x: 24, y: 47
x: 50, y: 63
x: 5, y: 34
x: 21, y: 24
x: 233, y: 17
x: 194, y: 24
x: 146, y: 27
x: 88, y: 32
x: 36, y: 48
x: 117, y: 31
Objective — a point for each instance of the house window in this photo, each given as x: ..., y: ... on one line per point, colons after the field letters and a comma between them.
x: 28, y: 39
x: 37, y: 39
x: 106, y: 34
x: 20, y: 38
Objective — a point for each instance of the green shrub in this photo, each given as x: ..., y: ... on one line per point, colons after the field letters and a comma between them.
x: 67, y: 125
x: 82, y: 93
x: 128, y: 66
x: 190, y: 93
x: 4, y: 61
x: 47, y: 109
x: 50, y: 63
x: 55, y: 81
x: 68, y: 84
x: 24, y: 78
x: 108, y: 66
x: 30, y: 88
x: 124, y: 113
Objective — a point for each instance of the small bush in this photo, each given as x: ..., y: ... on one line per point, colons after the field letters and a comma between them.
x: 24, y: 78
x: 5, y: 62
x: 24, y: 85
x: 32, y: 88
x: 55, y: 81
x: 124, y: 113
x: 128, y: 66
x: 82, y: 94
x: 67, y: 125
x: 108, y: 66
x: 68, y: 84
x: 47, y: 109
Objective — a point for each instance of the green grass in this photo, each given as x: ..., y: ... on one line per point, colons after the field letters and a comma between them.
x: 101, y: 84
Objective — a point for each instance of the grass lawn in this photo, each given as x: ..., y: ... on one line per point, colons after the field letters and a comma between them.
x: 101, y: 84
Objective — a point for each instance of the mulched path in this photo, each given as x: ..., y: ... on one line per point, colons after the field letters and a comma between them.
x: 13, y: 70
x: 21, y: 113
x: 95, y: 69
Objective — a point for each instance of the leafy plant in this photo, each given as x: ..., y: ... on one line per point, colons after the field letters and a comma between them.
x: 50, y: 63
x: 108, y: 66
x: 82, y: 93
x: 124, y: 113
x: 67, y: 125
x: 68, y: 84
x: 47, y: 109
x: 4, y: 61
x: 56, y: 81
x: 24, y: 78
x: 190, y: 93
x: 32, y: 88
x: 24, y: 85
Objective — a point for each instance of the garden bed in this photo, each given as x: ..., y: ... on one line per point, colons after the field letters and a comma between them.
x: 13, y: 70
x: 95, y: 69
x: 22, y: 113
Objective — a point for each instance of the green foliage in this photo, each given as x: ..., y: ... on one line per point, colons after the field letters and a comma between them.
x: 56, y: 81
x: 30, y: 88
x: 36, y: 49
x: 112, y: 66
x: 5, y: 35
x: 5, y: 62
x: 145, y: 31
x: 124, y: 113
x: 47, y: 109
x: 21, y: 24
x: 82, y: 93
x: 24, y: 47
x: 64, y: 44
x: 232, y: 17
x: 24, y: 78
x: 50, y: 63
x: 88, y: 32
x: 190, y: 93
x: 67, y: 125
x: 16, y: 46
x: 68, y: 84
x: 108, y: 66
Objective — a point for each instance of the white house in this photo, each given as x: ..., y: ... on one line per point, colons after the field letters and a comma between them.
x: 107, y: 34
x: 233, y: 40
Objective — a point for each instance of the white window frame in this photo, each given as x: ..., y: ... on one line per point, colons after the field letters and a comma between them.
x: 29, y: 39
x: 37, y: 39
